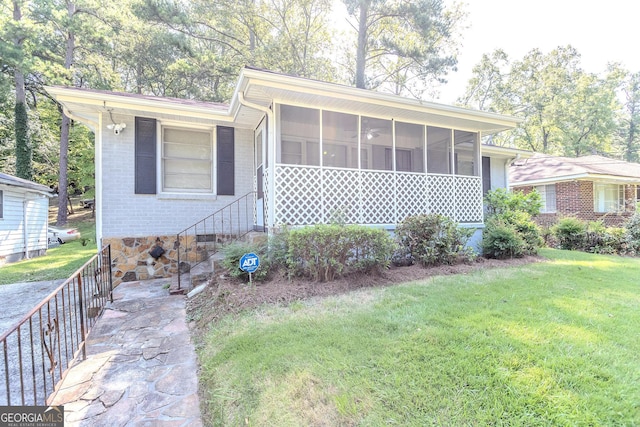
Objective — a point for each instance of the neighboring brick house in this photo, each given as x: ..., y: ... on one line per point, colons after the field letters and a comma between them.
x: 590, y: 188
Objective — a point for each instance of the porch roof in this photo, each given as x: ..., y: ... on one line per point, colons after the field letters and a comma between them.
x: 263, y: 88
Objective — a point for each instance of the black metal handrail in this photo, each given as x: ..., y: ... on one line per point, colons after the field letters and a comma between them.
x: 199, y: 242
x: 40, y: 348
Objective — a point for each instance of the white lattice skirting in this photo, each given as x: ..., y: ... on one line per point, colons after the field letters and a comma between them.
x: 311, y: 195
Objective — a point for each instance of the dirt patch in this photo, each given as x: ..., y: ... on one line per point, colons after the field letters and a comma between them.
x: 224, y: 295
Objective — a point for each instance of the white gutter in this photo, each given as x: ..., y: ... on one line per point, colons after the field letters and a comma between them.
x: 271, y: 132
x: 105, y: 101
x: 317, y: 87
x: 579, y: 177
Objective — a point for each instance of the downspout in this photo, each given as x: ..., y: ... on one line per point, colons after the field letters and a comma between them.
x: 507, y: 165
x: 270, y: 135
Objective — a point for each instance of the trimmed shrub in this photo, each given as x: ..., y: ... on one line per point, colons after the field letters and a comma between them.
x: 570, y: 233
x: 501, y: 240
x: 526, y: 228
x: 434, y: 239
x: 632, y: 233
x: 510, y: 232
x: 600, y: 239
x: 325, y: 252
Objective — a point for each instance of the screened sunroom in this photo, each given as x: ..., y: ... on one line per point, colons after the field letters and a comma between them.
x: 340, y: 167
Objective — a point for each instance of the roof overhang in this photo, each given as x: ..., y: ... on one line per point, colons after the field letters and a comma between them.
x: 14, y: 181
x: 609, y: 179
x: 263, y: 88
x: 506, y: 152
x: 86, y: 106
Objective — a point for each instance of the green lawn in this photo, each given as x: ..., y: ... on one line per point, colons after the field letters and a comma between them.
x: 60, y: 262
x: 553, y: 343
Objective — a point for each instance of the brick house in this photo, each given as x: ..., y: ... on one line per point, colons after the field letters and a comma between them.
x: 590, y: 188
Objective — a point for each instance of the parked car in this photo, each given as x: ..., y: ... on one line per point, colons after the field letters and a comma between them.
x: 62, y: 235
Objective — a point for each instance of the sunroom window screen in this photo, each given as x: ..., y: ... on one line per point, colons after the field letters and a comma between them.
x: 409, y: 147
x: 299, y: 136
x: 186, y: 160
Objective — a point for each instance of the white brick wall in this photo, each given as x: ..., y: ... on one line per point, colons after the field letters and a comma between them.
x: 126, y: 214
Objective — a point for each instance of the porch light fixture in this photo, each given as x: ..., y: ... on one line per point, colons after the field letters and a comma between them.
x: 115, y: 127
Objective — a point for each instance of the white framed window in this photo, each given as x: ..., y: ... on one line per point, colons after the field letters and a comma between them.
x: 187, y: 160
x: 548, y: 196
x: 1, y: 204
x: 608, y: 197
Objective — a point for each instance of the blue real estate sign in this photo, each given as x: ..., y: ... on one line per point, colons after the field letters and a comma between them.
x: 249, y: 262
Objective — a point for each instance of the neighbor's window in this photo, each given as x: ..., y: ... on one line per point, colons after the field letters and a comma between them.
x: 187, y: 160
x: 608, y: 197
x: 299, y: 136
x: 548, y: 196
x: 1, y: 204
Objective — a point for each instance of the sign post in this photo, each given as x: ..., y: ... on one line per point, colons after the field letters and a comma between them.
x: 249, y: 263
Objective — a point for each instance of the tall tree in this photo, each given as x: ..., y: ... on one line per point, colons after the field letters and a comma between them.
x: 60, y: 24
x: 565, y: 110
x: 630, y: 118
x: 23, y: 149
x: 403, y: 46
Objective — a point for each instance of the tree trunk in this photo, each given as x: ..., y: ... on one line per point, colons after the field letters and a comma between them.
x: 23, y: 147
x: 630, y: 152
x: 65, y: 126
x: 361, y: 54
x: 63, y: 183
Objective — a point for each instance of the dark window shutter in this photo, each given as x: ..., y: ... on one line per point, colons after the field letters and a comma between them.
x: 225, y: 156
x: 486, y: 174
x: 145, y: 166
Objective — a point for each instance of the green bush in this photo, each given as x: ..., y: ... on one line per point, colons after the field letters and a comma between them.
x: 525, y: 239
x: 526, y: 228
x: 510, y: 232
x: 632, y: 233
x: 434, y: 239
x: 600, y: 239
x: 500, y: 200
x: 570, y: 233
x: 501, y: 240
x: 324, y: 252
x: 234, y: 251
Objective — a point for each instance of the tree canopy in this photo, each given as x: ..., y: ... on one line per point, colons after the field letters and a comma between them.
x: 565, y: 110
x: 195, y: 49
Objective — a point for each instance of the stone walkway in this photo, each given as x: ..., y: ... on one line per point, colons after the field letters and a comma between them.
x: 141, y: 367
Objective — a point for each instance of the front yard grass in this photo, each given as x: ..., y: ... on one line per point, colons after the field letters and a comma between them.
x: 60, y: 262
x: 552, y: 343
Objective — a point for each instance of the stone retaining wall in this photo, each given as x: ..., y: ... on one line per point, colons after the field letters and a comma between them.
x: 131, y: 259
